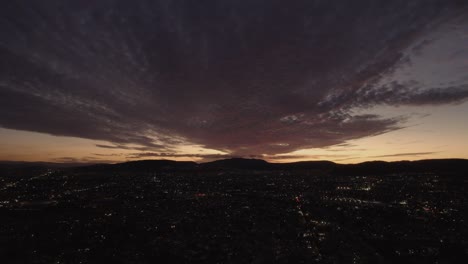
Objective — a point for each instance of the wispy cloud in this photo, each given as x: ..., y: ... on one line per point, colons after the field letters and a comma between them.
x: 245, y: 77
x: 404, y: 154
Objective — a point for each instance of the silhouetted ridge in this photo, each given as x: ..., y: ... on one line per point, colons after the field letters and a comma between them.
x: 144, y: 166
x: 157, y: 164
x: 238, y: 163
x: 307, y: 165
x: 443, y: 166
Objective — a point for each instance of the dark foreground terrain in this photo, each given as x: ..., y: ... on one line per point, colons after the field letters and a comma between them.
x: 235, y: 211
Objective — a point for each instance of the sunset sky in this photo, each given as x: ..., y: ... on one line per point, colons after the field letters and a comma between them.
x: 346, y: 81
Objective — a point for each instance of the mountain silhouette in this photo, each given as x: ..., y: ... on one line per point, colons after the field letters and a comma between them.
x: 238, y: 163
x: 445, y: 166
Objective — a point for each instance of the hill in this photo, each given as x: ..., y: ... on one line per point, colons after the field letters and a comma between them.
x: 446, y: 166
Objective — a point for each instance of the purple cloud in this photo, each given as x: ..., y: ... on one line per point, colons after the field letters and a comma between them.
x: 263, y: 77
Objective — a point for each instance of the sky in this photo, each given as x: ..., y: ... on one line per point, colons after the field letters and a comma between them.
x: 346, y: 81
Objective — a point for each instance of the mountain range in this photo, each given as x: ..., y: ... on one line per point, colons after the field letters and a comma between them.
x: 445, y: 166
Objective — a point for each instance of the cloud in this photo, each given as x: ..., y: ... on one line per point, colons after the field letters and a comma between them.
x: 404, y: 154
x: 399, y: 94
x: 210, y: 157
x: 110, y: 146
x: 196, y: 156
x: 127, y: 147
x: 247, y: 78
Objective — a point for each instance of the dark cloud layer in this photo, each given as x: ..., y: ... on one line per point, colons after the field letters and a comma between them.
x: 247, y: 77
